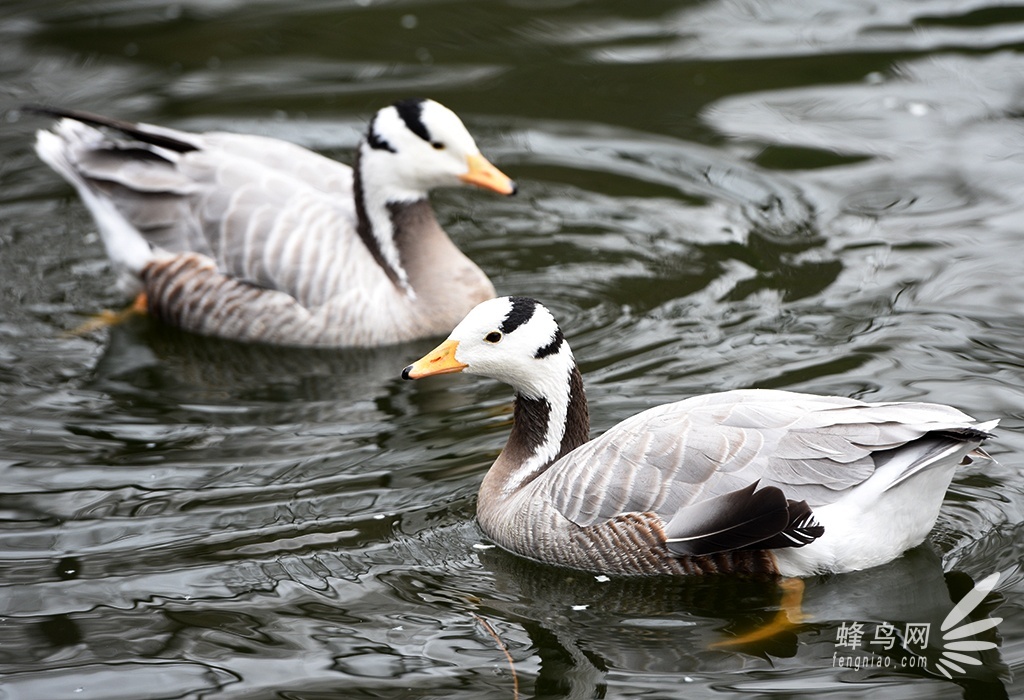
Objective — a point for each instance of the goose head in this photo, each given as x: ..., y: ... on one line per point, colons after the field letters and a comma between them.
x: 515, y: 340
x: 416, y: 145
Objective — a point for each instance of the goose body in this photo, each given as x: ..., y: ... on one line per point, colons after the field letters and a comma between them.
x: 747, y: 481
x: 260, y: 240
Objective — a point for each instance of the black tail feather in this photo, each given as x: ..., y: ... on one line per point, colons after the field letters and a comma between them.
x: 747, y: 518
x: 736, y: 520
x: 802, y: 528
x: 128, y: 128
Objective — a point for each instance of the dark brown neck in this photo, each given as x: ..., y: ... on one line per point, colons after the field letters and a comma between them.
x: 534, y: 443
x: 577, y: 417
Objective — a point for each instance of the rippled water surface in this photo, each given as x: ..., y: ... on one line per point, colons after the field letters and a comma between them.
x: 818, y: 196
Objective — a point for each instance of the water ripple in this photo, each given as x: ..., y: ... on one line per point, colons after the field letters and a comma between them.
x: 819, y: 198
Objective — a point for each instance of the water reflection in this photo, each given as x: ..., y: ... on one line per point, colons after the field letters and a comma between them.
x: 147, y: 356
x: 590, y: 631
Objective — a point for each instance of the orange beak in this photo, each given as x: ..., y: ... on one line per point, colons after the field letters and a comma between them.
x: 483, y: 174
x: 440, y: 360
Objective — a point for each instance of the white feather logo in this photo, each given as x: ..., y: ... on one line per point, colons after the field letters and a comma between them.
x: 953, y: 643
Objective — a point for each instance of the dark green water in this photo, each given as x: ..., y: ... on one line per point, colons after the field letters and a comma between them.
x: 818, y: 196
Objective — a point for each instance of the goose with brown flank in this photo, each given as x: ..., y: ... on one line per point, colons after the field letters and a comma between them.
x: 746, y: 481
x: 260, y: 240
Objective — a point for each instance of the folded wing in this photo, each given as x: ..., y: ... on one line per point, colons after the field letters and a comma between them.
x: 745, y: 469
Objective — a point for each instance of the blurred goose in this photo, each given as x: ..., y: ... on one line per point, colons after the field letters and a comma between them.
x: 749, y: 481
x: 254, y: 239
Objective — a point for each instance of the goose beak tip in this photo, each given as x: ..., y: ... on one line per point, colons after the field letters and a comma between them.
x: 483, y: 174
x: 440, y: 360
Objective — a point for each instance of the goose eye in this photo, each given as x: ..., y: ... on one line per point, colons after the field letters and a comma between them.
x: 437, y: 145
x: 493, y: 337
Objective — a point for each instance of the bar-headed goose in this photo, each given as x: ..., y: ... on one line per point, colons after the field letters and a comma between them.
x: 740, y: 481
x: 255, y: 239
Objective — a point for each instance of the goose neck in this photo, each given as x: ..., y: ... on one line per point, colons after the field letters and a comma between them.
x: 545, y: 428
x: 378, y: 216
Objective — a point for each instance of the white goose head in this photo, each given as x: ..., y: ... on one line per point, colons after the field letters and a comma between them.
x: 416, y: 145
x: 512, y: 339
x: 410, y: 148
x: 517, y: 341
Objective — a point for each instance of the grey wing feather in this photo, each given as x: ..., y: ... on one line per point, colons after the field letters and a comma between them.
x: 812, y: 448
x: 272, y: 228
x: 267, y: 211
